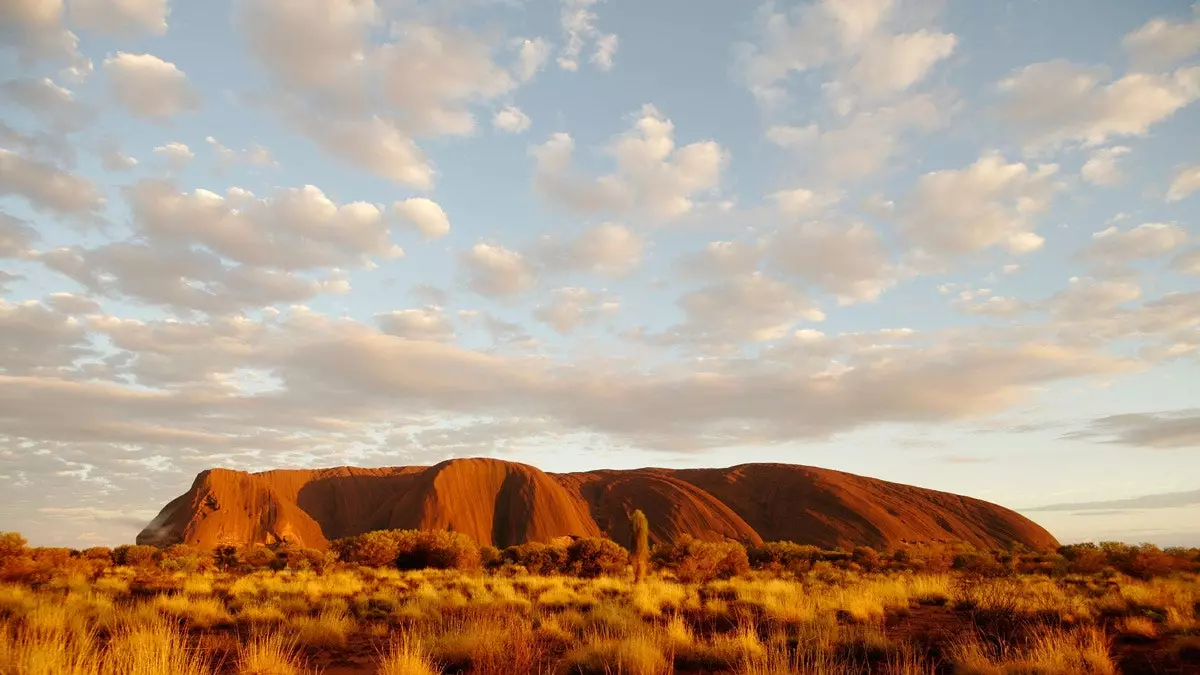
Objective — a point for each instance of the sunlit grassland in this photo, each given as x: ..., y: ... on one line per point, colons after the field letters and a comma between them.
x: 132, y: 622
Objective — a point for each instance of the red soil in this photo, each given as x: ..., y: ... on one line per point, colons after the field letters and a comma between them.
x: 504, y: 503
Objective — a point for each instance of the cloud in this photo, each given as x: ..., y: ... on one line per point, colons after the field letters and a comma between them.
x: 427, y: 324
x: 46, y: 187
x: 752, y: 307
x: 1057, y: 102
x: 373, y: 144
x: 176, y: 154
x: 149, y: 87
x: 608, y: 248
x: 848, y: 260
x: 44, y: 98
x: 572, y: 307
x: 802, y: 202
x: 48, y: 147
x: 183, y: 279
x: 312, y: 44
x: 1165, y: 500
x: 432, y: 75
x: 34, y: 28
x: 256, y: 154
x: 38, y: 340
x: 1148, y: 240
x: 121, y: 18
x: 861, y: 144
x: 652, y: 176
x: 532, y: 56
x: 495, y: 271
x: 1160, y: 42
x: 16, y: 237
x: 1185, y: 181
x: 425, y: 215
x: 112, y: 159
x: 1101, y: 166
x: 1187, y: 262
x: 579, y: 26
x: 722, y: 259
x: 862, y: 43
x: 291, y: 229
x: 1163, y: 430
x: 990, y: 203
x: 511, y: 119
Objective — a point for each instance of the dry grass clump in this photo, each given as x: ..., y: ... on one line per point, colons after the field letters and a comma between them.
x: 1047, y: 650
x: 1138, y: 628
x: 271, y: 653
x: 633, y: 655
x: 406, y: 655
x: 201, y: 613
x: 329, y: 629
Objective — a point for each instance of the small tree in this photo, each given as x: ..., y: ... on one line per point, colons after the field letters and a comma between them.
x: 639, y: 555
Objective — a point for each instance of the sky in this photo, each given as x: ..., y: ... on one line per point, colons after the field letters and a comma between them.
x: 946, y: 243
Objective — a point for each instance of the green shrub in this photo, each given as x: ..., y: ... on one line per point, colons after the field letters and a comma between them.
x: 537, y: 558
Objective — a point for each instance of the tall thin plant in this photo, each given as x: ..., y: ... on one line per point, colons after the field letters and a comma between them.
x: 640, y: 548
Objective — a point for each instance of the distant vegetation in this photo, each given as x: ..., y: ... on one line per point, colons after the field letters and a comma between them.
x: 416, y: 603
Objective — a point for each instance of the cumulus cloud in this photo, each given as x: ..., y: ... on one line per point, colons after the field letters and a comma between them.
x: 425, y: 215
x: 428, y: 324
x: 1187, y: 262
x: 1185, y: 181
x: 1161, y: 42
x: 46, y: 187
x: 608, y: 248
x: 802, y: 202
x: 848, y: 260
x: 149, y: 87
x: 532, y: 56
x: 291, y: 229
x: 1101, y: 166
x: 495, y: 271
x: 861, y: 144
x: 579, y: 27
x: 572, y: 307
x: 35, y: 29
x: 990, y: 203
x: 752, y: 306
x: 1148, y: 240
x: 16, y: 237
x: 511, y: 119
x: 176, y: 154
x: 183, y: 279
x: 373, y: 144
x: 38, y: 340
x: 121, y: 18
x: 722, y: 259
x: 652, y: 175
x: 871, y: 55
x: 256, y: 155
x: 1056, y: 102
x: 113, y: 159
x: 46, y: 99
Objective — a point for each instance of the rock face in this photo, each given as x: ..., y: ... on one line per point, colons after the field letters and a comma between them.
x: 504, y: 503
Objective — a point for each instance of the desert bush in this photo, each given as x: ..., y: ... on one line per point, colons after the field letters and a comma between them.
x: 783, y: 555
x: 693, y: 560
x: 537, y: 558
x: 591, y: 557
x: 135, y: 556
x: 183, y: 558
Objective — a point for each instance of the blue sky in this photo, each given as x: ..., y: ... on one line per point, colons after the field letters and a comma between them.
x: 943, y: 243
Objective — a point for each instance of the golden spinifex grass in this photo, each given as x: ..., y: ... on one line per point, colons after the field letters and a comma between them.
x: 423, y: 622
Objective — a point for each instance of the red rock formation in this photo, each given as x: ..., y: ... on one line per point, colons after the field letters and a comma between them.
x: 505, y: 503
